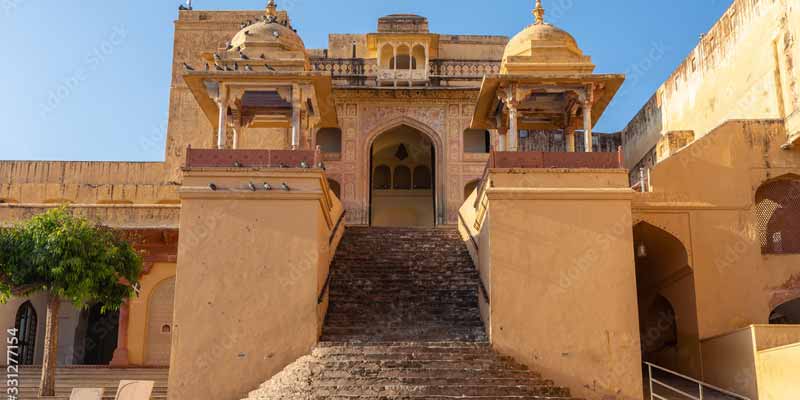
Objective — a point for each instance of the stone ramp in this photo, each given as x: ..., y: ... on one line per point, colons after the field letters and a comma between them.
x: 404, y: 323
x: 89, y: 377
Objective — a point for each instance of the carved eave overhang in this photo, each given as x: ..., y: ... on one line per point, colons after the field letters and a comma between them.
x: 375, y: 40
x: 605, y: 87
x: 320, y: 82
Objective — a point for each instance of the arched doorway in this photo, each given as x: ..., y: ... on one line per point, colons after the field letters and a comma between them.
x: 402, y: 176
x: 159, y: 323
x: 26, y: 333
x: 100, y: 336
x: 786, y: 314
x: 667, y: 301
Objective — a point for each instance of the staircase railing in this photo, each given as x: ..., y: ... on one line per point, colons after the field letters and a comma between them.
x: 702, y: 387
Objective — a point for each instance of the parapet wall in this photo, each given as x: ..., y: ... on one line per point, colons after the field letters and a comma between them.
x: 743, y: 68
x: 51, y: 182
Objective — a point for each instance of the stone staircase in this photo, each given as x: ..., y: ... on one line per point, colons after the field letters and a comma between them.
x: 88, y: 377
x: 404, y: 323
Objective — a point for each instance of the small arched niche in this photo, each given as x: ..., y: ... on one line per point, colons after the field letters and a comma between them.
x: 402, y: 178
x: 422, y: 178
x: 381, y: 178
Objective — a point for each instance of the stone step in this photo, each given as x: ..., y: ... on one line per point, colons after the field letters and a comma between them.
x: 404, y: 323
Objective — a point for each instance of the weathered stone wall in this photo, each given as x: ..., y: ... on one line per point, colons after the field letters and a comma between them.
x: 84, y: 183
x: 745, y: 67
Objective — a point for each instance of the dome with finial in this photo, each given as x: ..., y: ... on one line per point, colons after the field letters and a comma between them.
x: 271, y: 33
x: 542, y: 47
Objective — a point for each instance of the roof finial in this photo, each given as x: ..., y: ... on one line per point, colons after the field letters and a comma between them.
x: 272, y: 10
x: 538, y: 12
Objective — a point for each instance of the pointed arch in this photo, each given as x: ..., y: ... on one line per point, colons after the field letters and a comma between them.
x: 26, y: 326
x: 438, y: 149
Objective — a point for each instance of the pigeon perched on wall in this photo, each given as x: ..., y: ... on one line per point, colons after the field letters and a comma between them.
x: 269, y: 67
x: 187, y: 67
x: 267, y: 186
x: 212, y: 186
x: 251, y: 186
x: 243, y: 56
x: 248, y: 68
x: 285, y: 187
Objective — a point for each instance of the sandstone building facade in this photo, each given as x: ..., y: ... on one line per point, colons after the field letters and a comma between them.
x: 674, y: 241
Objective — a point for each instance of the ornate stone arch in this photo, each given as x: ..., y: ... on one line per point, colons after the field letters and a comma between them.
x: 439, y: 151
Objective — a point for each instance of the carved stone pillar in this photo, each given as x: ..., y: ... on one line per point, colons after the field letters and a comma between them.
x: 513, y: 123
x: 120, y: 358
x: 222, y: 103
x: 502, y: 133
x: 588, y: 102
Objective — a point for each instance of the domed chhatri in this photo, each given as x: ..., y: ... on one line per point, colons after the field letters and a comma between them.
x: 271, y: 38
x: 544, y: 48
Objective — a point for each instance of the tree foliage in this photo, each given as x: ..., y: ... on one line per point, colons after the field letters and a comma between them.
x: 69, y: 257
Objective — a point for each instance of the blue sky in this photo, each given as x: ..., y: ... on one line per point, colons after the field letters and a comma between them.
x: 91, y: 81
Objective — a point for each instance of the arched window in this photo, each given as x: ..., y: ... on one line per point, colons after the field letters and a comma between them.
x: 422, y: 177
x: 477, y: 141
x: 26, y: 332
x: 470, y: 187
x: 418, y: 55
x: 387, y: 54
x: 335, y: 188
x: 381, y: 178
x: 402, y: 178
x: 659, y: 327
x: 403, y: 59
x: 330, y: 140
x: 777, y: 212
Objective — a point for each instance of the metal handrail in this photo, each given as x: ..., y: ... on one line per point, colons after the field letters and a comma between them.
x: 700, y: 385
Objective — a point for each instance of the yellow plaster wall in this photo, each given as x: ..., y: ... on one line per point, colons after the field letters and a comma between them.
x: 745, y: 67
x: 248, y: 277
x: 714, y: 181
x: 38, y: 182
x: 551, y: 252
x: 759, y: 361
x: 778, y: 370
x: 138, y: 317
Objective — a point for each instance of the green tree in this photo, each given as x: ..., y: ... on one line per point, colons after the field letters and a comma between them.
x: 69, y: 259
